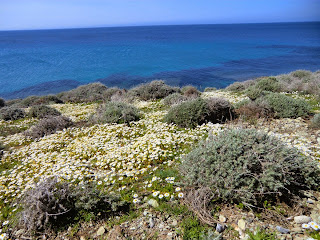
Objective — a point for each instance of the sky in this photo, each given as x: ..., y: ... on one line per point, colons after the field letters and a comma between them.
x: 51, y: 14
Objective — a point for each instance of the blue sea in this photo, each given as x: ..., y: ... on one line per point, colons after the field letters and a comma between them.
x: 49, y: 61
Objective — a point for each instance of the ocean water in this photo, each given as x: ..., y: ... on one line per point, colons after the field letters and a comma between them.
x: 49, y: 61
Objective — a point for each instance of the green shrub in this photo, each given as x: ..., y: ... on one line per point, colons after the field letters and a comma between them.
x: 210, y: 89
x: 173, y: 99
x: 261, y: 234
x: 2, y: 102
x: 249, y: 166
x: 47, y: 126
x: 42, y: 111
x: 86, y: 93
x: 315, y: 121
x: 154, y: 90
x: 286, y: 107
x: 220, y: 110
x: 35, y: 100
x: 188, y: 114
x: 1, y: 150
x: 53, y: 204
x: 253, y: 92
x: 116, y: 112
x: 301, y: 74
x: 270, y: 84
x: 240, y: 86
x: 11, y: 113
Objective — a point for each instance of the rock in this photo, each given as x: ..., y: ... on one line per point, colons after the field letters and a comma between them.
x: 100, y: 231
x: 151, y: 223
x: 19, y: 232
x: 222, y: 218
x: 296, y: 229
x: 310, y: 201
x: 242, y: 224
x: 282, y: 230
x: 318, y: 206
x: 161, y: 225
x: 220, y: 228
x: 153, y: 203
x: 82, y: 238
x: 302, y: 219
x: 174, y: 222
x: 115, y: 234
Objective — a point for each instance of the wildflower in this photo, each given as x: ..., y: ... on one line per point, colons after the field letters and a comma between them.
x: 178, y: 189
x: 167, y: 194
x: 149, y: 185
x: 135, y: 195
x: 314, y: 225
x: 120, y: 178
x: 5, y: 223
x: 305, y: 226
x: 99, y: 183
x: 155, y: 193
x: 160, y: 196
x: 180, y: 195
x: 3, y: 236
x: 136, y: 200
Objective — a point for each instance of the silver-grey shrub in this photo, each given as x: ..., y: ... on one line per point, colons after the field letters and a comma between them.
x: 11, y: 113
x: 47, y: 126
x: 315, y: 121
x: 173, y: 99
x: 116, y: 112
x: 42, y: 111
x: 248, y: 166
x: 154, y: 90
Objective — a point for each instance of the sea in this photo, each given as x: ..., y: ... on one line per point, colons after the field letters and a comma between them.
x: 39, y: 62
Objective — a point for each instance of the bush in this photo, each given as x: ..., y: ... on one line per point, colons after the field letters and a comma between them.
x: 154, y: 90
x: 48, y: 126
x: 35, y: 100
x: 210, y: 89
x: 240, y: 86
x: 286, y: 107
x: 86, y: 93
x: 190, y: 92
x: 42, y: 111
x: 11, y: 113
x: 2, y: 102
x: 56, y: 204
x: 173, y: 99
x: 251, y: 109
x: 1, y: 150
x: 253, y: 92
x: 270, y: 84
x: 188, y: 114
x: 220, y: 110
x: 315, y: 121
x: 250, y: 167
x: 116, y: 112
x: 301, y: 74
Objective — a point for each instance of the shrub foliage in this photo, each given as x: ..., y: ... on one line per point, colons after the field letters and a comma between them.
x: 116, y: 112
x: 11, y: 113
x: 315, y: 121
x: 42, y: 111
x: 248, y: 166
x: 2, y: 102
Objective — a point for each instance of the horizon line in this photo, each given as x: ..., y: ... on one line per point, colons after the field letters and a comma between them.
x: 153, y: 25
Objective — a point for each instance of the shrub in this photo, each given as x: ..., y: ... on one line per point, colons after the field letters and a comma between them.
x: 122, y: 96
x: 190, y: 92
x: 11, y: 113
x: 220, y: 110
x: 286, y: 107
x: 301, y: 74
x: 188, y: 114
x: 154, y: 90
x: 56, y: 204
x: 210, y: 89
x: 270, y: 84
x: 35, y: 100
x: 42, y: 111
x: 116, y: 112
x: 48, y: 126
x: 173, y: 99
x: 240, y: 86
x: 253, y: 92
x: 86, y: 93
x: 249, y: 166
x: 315, y: 121
x: 1, y: 150
x: 2, y: 102
x: 251, y: 109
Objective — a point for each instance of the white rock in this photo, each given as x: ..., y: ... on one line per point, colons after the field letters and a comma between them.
x: 100, y: 231
x: 153, y: 203
x: 222, y: 218
x: 242, y: 224
x: 302, y: 219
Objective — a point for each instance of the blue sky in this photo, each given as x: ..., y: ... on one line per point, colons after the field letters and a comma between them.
x: 46, y: 14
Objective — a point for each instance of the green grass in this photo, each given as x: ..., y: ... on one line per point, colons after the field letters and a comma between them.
x: 260, y: 234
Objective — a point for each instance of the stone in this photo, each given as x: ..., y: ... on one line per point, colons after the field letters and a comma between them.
x: 318, y: 206
x: 302, y: 219
x: 100, y: 231
x: 222, y: 218
x: 220, y: 228
x: 310, y: 201
x: 151, y: 223
x: 242, y: 224
x: 282, y: 230
x: 174, y: 222
x: 153, y: 203
x: 115, y: 234
x: 82, y: 238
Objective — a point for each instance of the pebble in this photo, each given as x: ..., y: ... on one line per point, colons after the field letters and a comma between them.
x: 222, y: 218
x: 174, y: 222
x: 310, y: 201
x: 219, y: 228
x: 153, y: 203
x: 151, y: 223
x: 100, y: 231
x: 82, y: 238
x: 282, y: 230
x: 302, y: 219
x: 242, y: 224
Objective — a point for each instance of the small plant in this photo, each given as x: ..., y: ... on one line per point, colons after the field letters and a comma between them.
x: 270, y: 84
x: 210, y: 89
x: 188, y: 114
x: 48, y: 126
x: 190, y: 92
x: 240, y: 86
x: 250, y: 167
x: 286, y: 107
x: 42, y: 111
x: 248, y: 109
x: 86, y: 93
x: 11, y: 113
x: 1, y: 150
x: 154, y: 90
x: 2, y: 102
x: 220, y: 110
x: 173, y: 99
x: 301, y: 74
x: 116, y: 112
x: 262, y: 235
x: 315, y: 121
x: 253, y: 92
